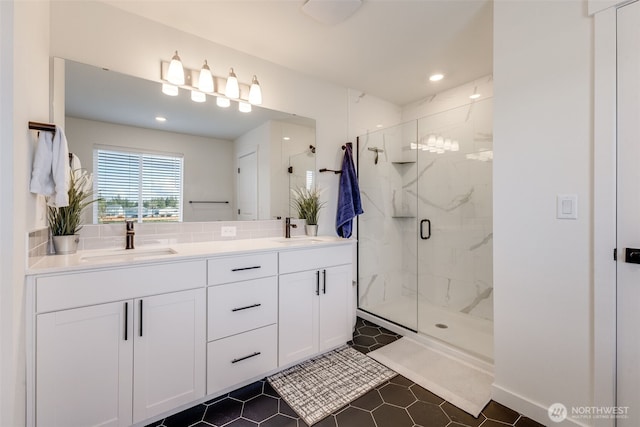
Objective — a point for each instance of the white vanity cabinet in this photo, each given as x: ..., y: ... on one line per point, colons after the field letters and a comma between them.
x: 242, y: 317
x: 118, y: 363
x: 314, y: 301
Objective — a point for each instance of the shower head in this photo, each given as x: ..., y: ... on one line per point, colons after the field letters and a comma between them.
x: 376, y: 150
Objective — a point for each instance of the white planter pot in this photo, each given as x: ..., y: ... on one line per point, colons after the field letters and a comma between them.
x: 311, y: 230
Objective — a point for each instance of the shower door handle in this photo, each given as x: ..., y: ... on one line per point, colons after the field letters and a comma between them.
x: 422, y: 236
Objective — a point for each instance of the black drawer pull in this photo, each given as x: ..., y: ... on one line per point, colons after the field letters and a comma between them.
x: 246, y: 268
x: 244, y: 308
x: 240, y: 359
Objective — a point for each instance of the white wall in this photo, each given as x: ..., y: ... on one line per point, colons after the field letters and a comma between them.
x: 543, y: 57
x: 24, y: 96
x: 208, y: 162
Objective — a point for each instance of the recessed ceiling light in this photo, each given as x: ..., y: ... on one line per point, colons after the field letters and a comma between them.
x: 378, y: 126
x: 436, y: 77
x: 286, y: 138
x: 161, y: 119
x: 475, y: 96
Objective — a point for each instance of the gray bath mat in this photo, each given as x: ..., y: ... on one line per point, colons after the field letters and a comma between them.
x: 319, y: 386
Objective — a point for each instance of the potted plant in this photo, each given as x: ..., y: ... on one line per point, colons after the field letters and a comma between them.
x: 66, y: 221
x: 307, y: 203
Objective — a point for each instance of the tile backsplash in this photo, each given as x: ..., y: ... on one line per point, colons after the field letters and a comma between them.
x: 112, y: 236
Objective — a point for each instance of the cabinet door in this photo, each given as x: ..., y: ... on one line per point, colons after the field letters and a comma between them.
x: 335, y: 306
x: 298, y: 316
x: 169, y: 357
x: 84, y: 366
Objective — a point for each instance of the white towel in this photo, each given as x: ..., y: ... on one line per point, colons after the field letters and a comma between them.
x: 50, y: 174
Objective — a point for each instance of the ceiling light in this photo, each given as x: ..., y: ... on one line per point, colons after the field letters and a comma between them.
x: 175, y: 74
x: 255, y: 93
x: 205, y: 80
x: 378, y: 126
x: 436, y: 77
x: 232, y: 89
x: 223, y: 102
x: 161, y: 119
x: 475, y: 96
x: 197, y: 96
x: 170, y: 90
x: 286, y: 138
x: 244, y: 107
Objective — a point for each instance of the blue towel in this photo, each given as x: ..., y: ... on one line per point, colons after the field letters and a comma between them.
x: 349, y: 203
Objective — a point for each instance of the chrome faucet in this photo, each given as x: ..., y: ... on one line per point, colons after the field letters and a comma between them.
x: 287, y: 227
x: 130, y: 235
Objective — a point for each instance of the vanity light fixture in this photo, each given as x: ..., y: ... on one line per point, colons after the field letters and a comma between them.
x: 244, y: 107
x: 232, y: 89
x: 436, y: 77
x: 197, y: 96
x: 169, y: 89
x: 175, y: 74
x: 223, y: 102
x: 205, y: 79
x: 255, y: 93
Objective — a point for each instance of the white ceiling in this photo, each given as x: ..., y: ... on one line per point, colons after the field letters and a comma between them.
x: 387, y: 48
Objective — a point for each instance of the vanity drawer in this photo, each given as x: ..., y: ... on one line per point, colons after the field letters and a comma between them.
x: 237, y: 268
x: 241, y: 357
x: 311, y: 259
x: 242, y: 306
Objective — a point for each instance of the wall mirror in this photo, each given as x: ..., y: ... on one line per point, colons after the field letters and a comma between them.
x: 230, y: 165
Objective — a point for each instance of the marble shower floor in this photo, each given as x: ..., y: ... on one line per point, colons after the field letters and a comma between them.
x: 469, y: 333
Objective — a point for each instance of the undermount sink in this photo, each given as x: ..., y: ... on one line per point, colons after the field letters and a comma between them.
x: 297, y: 240
x: 126, y: 255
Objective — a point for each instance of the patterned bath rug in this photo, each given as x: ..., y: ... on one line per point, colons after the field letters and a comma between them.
x: 319, y: 386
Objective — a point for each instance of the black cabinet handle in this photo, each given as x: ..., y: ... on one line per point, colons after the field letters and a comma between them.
x: 246, y: 268
x: 324, y: 281
x: 126, y: 321
x: 240, y: 359
x: 244, y: 308
x: 140, y: 331
x: 318, y: 282
x: 422, y: 236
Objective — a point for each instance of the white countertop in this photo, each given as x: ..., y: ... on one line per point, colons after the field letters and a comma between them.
x: 91, y: 259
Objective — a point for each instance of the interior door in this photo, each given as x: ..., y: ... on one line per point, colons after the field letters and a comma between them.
x: 248, y: 186
x: 628, y: 215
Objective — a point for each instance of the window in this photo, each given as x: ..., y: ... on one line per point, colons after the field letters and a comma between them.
x: 146, y: 187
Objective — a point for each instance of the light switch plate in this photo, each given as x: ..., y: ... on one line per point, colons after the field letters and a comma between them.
x: 567, y: 206
x: 229, y: 231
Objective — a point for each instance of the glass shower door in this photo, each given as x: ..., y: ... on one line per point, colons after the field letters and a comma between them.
x: 454, y: 198
x: 387, y: 245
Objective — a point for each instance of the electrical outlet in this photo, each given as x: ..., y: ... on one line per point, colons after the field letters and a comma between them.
x: 228, y: 231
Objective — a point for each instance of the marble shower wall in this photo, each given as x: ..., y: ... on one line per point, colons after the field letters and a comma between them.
x: 453, y: 189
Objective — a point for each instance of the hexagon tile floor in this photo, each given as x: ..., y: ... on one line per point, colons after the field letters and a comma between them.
x: 397, y: 403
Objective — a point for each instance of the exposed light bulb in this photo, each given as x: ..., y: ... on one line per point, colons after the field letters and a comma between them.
x: 170, y: 90
x: 436, y: 77
x: 223, y: 102
x: 255, y: 93
x: 244, y: 107
x: 431, y: 141
x: 175, y: 74
x: 232, y: 89
x: 205, y: 80
x: 197, y: 96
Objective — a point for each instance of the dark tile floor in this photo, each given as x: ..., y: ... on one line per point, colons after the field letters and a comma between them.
x: 397, y: 403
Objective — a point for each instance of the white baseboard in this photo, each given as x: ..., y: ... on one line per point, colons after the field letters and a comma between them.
x: 529, y: 408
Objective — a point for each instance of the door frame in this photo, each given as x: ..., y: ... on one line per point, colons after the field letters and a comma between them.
x: 604, y: 204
